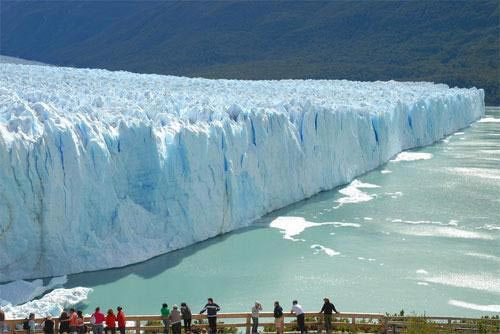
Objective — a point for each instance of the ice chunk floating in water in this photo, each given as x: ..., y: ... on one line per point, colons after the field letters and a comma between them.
x: 326, y: 250
x: 123, y: 167
x: 353, y: 194
x: 412, y: 156
x: 293, y: 226
x: 51, y: 304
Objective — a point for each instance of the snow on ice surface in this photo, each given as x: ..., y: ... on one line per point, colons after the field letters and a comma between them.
x: 153, y: 163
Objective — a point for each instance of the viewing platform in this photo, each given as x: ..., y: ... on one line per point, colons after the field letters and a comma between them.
x: 342, y: 322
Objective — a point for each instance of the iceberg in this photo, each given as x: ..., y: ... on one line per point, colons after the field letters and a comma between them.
x: 102, y: 169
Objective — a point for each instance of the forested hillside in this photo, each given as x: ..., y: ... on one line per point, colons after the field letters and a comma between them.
x: 455, y: 42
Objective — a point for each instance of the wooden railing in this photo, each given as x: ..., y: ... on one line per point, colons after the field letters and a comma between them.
x: 363, y: 322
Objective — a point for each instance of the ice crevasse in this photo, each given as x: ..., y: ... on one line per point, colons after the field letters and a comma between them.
x: 101, y: 169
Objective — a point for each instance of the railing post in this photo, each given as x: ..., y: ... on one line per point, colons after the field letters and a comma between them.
x: 248, y: 324
x: 137, y: 327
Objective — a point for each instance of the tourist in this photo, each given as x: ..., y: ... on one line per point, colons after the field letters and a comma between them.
x: 299, y: 313
x: 73, y: 321
x: 64, y: 323
x: 48, y: 325
x: 2, y: 320
x: 31, y: 324
x: 175, y: 320
x: 212, y: 310
x: 327, y: 310
x: 186, y: 316
x: 120, y: 318
x: 110, y: 322
x: 97, y: 320
x: 279, y: 319
x: 165, y: 314
x: 256, y: 308
x: 81, y: 323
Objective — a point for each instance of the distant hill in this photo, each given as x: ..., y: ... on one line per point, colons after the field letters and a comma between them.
x: 455, y: 42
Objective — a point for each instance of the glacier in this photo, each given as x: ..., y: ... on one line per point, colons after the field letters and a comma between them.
x: 102, y: 169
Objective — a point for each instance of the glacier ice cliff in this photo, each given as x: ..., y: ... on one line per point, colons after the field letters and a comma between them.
x: 101, y: 169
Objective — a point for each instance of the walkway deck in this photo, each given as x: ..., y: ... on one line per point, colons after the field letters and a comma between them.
x: 349, y: 322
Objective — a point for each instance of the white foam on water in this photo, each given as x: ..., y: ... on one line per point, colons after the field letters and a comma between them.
x: 328, y: 251
x: 18, y: 292
x: 422, y: 272
x: 394, y: 194
x: 490, y: 151
x: 476, y: 307
x: 412, y: 156
x: 489, y: 227
x: 489, y: 120
x: 452, y: 222
x: 484, y: 256
x: 51, y: 304
x: 385, y: 171
x: 483, y: 282
x: 446, y: 232
x: 423, y: 283
x: 339, y: 224
x: 458, y: 133
x: 353, y: 194
x: 484, y: 173
x: 367, y: 218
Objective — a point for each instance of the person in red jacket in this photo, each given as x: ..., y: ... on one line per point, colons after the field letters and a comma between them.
x: 120, y: 317
x: 110, y: 322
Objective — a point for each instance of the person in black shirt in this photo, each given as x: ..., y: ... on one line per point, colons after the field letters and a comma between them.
x: 327, y: 309
x: 64, y: 323
x: 279, y: 320
x: 212, y: 310
x: 48, y: 325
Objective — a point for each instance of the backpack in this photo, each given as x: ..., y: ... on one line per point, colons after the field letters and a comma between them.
x: 26, y: 324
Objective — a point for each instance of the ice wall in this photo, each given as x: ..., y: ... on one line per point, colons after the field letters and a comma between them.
x: 101, y: 169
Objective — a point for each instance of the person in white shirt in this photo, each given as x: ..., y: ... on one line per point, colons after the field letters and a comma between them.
x: 31, y: 324
x: 299, y: 313
x: 255, y: 316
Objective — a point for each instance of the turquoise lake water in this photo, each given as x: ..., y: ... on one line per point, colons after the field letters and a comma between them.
x: 426, y: 239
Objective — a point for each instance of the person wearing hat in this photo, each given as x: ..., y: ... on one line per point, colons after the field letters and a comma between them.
x: 256, y: 308
x: 175, y: 320
x: 48, y: 325
x: 327, y: 309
